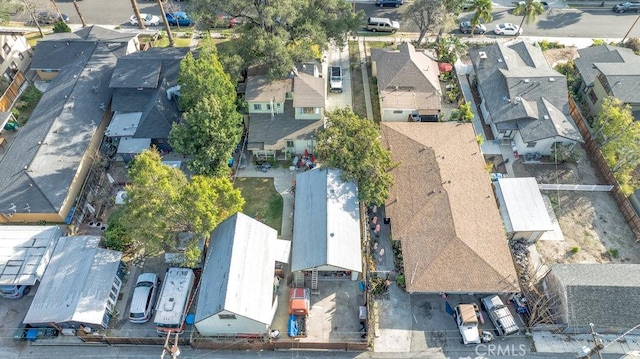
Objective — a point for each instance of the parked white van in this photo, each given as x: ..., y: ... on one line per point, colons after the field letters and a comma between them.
x: 144, y: 298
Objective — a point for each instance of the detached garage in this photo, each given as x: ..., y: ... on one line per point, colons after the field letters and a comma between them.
x: 79, y: 287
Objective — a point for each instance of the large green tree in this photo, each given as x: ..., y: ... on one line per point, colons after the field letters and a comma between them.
x: 211, y: 126
x: 482, y: 12
x: 353, y: 145
x: 280, y: 33
x: 161, y: 203
x: 619, y: 137
x: 529, y: 9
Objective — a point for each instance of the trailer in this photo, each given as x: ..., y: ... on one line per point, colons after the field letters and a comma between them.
x: 299, y: 303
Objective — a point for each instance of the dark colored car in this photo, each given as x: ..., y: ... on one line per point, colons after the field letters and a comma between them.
x: 394, y: 3
x: 627, y: 6
x: 48, y: 17
x: 465, y: 28
x: 178, y: 19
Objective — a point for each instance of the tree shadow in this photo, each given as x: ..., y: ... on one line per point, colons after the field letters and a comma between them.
x: 558, y: 20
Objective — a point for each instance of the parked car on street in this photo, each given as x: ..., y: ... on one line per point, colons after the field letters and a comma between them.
x: 465, y: 28
x: 148, y: 20
x: 382, y: 24
x: 545, y: 5
x: 48, y: 17
x: 14, y: 291
x: 178, y: 19
x: 394, y: 3
x: 227, y: 21
x: 507, y: 29
x: 627, y: 6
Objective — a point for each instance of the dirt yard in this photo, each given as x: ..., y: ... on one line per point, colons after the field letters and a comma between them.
x: 593, y: 227
x: 560, y: 56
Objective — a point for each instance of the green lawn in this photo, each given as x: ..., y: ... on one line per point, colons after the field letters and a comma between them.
x: 262, y: 201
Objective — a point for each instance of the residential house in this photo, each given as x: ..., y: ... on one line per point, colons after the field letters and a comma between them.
x: 285, y: 114
x: 523, y: 99
x: 25, y: 252
x: 602, y: 294
x: 45, y: 166
x: 16, y: 52
x: 61, y: 50
x: 408, y: 84
x: 608, y: 70
x: 443, y: 211
x: 237, y: 295
x: 144, y: 102
x: 522, y: 208
x: 79, y: 288
x: 326, y: 227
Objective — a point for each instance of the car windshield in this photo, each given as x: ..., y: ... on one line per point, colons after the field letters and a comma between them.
x: 148, y: 17
x: 144, y: 284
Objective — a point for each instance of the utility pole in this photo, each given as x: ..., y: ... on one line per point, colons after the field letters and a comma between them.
x: 174, y: 351
x: 586, y: 352
x: 631, y: 28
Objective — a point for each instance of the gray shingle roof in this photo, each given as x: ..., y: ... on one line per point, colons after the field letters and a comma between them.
x: 98, y: 33
x: 270, y: 133
x: 56, y: 54
x: 601, y: 54
x: 623, y: 79
x: 603, y: 294
x: 158, y: 112
x: 308, y: 91
x: 42, y: 161
x: 239, y: 270
x: 326, y: 229
x: 406, y: 67
x: 260, y: 89
x: 517, y: 85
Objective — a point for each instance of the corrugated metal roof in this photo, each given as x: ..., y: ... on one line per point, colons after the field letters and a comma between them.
x: 239, y: 270
x: 76, y: 285
x: 123, y: 124
x: 25, y: 252
x: 133, y: 145
x: 524, y: 204
x: 326, y: 227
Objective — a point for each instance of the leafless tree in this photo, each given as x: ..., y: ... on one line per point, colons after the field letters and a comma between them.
x: 75, y: 4
x: 166, y: 24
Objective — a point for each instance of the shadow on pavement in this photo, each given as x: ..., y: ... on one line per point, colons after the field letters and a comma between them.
x: 559, y: 20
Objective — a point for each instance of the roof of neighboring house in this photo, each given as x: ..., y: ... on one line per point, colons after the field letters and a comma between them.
x: 602, y: 54
x: 443, y: 210
x: 99, y: 33
x: 518, y: 85
x: 260, y: 89
x: 158, y: 69
x: 406, y: 68
x: 76, y: 284
x: 603, y: 294
x: 624, y: 80
x: 521, y: 205
x: 42, y: 160
x: 25, y: 252
x: 308, y: 91
x: 271, y: 133
x: 326, y: 229
x: 423, y: 102
x: 239, y: 270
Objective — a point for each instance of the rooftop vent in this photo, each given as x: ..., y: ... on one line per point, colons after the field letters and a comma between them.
x: 526, y: 81
x: 499, y: 60
x: 482, y: 54
x: 546, y: 117
x: 518, y: 98
x: 551, y: 79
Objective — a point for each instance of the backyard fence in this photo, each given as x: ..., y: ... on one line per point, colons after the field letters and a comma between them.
x: 594, y: 153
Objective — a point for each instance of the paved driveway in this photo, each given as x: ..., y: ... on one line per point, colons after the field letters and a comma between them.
x: 339, y: 57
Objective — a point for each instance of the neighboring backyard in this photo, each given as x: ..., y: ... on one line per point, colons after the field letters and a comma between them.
x: 262, y: 201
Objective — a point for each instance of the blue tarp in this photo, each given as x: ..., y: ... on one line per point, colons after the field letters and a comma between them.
x: 293, y: 326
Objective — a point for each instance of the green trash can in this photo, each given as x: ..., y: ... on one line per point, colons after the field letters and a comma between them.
x: 11, y: 126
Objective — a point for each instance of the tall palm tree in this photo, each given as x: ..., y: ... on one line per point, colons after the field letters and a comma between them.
x: 529, y: 9
x: 136, y: 11
x: 482, y: 11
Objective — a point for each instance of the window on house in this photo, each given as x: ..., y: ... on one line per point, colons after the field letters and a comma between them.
x: 20, y: 56
x: 227, y: 316
x: 593, y: 97
x: 268, y: 106
x: 289, y: 144
x: 604, y: 83
x: 531, y: 144
x: 257, y: 106
x: 14, y: 37
x: 14, y: 66
x: 6, y: 48
x: 308, y: 110
x: 397, y: 112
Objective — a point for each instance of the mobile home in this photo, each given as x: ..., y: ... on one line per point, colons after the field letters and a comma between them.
x: 173, y: 302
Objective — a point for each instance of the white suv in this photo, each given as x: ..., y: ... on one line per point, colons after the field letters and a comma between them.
x: 144, y: 298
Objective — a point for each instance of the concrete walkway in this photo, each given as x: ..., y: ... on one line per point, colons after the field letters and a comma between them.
x: 365, y: 77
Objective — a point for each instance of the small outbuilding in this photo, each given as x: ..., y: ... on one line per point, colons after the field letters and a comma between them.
x: 238, y: 296
x: 522, y: 208
x: 80, y: 286
x: 326, y: 228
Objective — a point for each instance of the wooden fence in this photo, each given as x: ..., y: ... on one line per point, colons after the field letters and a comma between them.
x: 12, y: 93
x: 605, y: 173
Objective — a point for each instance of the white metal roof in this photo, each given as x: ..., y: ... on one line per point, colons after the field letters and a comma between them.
x: 174, y: 296
x: 239, y: 270
x: 123, y: 124
x: 25, y: 252
x: 133, y: 145
x: 326, y: 229
x: 76, y: 285
x: 521, y: 202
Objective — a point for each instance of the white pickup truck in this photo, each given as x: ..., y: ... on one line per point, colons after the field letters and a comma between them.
x: 335, y: 80
x: 466, y: 316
